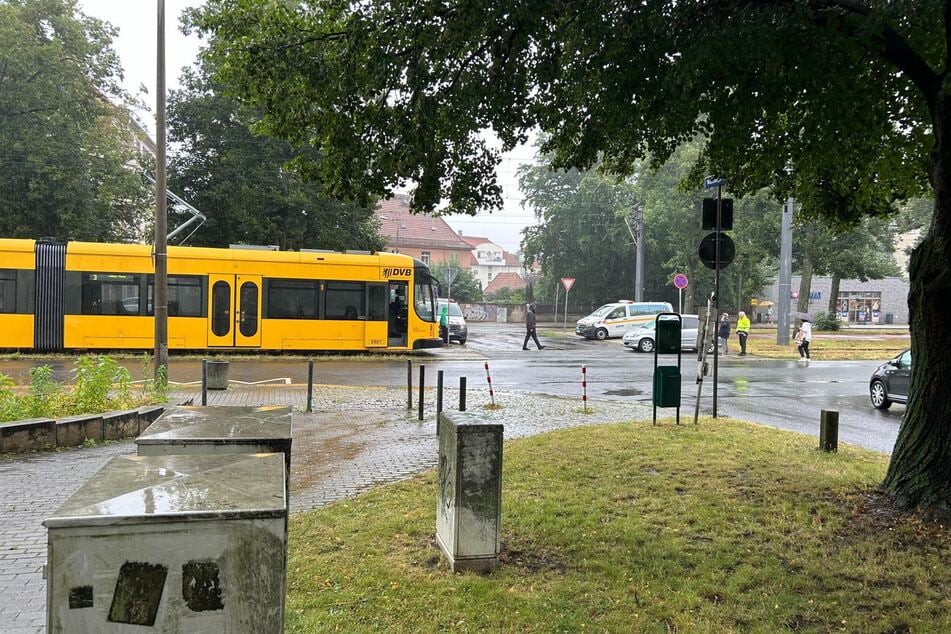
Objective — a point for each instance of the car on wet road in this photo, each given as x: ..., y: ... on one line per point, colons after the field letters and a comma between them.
x: 891, y: 381
x: 458, y: 329
x: 614, y: 320
x: 642, y: 337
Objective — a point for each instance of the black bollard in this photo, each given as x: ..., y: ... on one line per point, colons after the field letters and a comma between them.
x: 438, y: 398
x: 204, y: 382
x: 409, y: 385
x: 829, y: 430
x: 462, y: 393
x: 422, y: 389
x: 439, y: 391
x: 310, y: 385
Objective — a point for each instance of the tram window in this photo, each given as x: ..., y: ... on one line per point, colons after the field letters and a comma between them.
x: 345, y: 300
x: 377, y: 307
x: 249, y: 309
x: 292, y: 299
x: 221, y: 309
x: 425, y: 299
x: 8, y: 291
x: 184, y: 296
x: 110, y: 294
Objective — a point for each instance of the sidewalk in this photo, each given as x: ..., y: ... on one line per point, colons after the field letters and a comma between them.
x: 356, y: 438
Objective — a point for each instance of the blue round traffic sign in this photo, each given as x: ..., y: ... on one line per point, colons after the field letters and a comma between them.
x: 680, y: 281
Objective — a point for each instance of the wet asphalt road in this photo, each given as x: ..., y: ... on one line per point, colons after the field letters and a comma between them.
x: 784, y: 394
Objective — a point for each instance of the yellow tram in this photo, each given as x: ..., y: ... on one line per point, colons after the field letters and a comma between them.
x: 86, y: 296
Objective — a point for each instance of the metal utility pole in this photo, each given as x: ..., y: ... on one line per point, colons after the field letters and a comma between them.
x: 639, y: 257
x: 785, y: 275
x: 160, y: 300
x: 716, y: 300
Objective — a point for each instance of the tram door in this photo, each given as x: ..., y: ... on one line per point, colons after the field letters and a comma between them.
x: 234, y: 310
x: 397, y: 314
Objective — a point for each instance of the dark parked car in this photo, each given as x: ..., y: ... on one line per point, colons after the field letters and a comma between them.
x: 889, y: 383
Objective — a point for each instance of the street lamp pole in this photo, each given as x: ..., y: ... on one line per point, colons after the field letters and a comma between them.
x: 160, y: 295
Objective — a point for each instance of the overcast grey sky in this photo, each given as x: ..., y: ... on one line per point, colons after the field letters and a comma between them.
x: 135, y: 44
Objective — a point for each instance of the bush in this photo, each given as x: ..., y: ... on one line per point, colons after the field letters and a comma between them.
x: 826, y: 321
x: 101, y: 385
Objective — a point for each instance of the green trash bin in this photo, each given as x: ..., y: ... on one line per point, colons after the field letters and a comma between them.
x: 667, y: 386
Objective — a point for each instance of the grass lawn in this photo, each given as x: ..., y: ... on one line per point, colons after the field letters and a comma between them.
x: 719, y: 527
x: 842, y: 345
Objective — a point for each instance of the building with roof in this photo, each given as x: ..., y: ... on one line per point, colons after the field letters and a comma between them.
x: 506, y: 279
x: 490, y: 260
x: 422, y: 236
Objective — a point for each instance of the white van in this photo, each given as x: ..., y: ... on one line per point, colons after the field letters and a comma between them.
x: 613, y: 320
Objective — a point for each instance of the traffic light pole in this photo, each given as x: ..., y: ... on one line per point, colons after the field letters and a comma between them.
x: 716, y: 301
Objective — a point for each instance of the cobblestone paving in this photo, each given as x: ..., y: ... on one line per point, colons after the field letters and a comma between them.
x: 357, y: 438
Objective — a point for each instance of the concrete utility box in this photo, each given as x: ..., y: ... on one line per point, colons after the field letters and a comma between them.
x: 469, y: 513
x: 220, y: 430
x: 173, y: 544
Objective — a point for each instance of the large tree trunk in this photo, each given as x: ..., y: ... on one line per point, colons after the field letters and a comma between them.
x: 805, y: 280
x: 919, y: 474
x: 834, y: 295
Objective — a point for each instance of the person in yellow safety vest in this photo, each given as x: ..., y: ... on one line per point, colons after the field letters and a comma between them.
x: 742, y: 331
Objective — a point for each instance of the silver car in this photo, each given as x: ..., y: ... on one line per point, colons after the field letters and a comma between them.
x: 642, y: 337
x: 458, y: 330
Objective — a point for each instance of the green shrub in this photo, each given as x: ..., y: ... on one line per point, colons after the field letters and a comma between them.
x: 101, y: 385
x: 96, y: 376
x: 10, y: 404
x: 154, y: 388
x: 826, y: 321
x: 46, y: 397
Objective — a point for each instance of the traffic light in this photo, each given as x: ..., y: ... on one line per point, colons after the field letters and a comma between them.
x: 710, y: 214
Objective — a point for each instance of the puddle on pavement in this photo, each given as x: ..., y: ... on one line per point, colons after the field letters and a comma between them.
x: 624, y: 392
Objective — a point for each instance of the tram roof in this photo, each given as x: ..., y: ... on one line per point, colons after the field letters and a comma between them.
x: 209, y: 253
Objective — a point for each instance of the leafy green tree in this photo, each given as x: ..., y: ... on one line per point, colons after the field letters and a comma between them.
x: 673, y: 231
x: 582, y: 232
x: 842, y: 103
x: 243, y: 184
x: 507, y: 296
x: 864, y: 253
x: 68, y: 167
x: 464, y: 288
x: 599, y: 253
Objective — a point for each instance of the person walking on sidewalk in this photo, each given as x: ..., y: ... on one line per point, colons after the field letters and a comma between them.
x: 804, y: 336
x: 723, y: 331
x: 742, y: 331
x: 530, y: 328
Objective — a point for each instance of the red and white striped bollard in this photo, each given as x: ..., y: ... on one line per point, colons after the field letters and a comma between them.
x: 584, y: 388
x: 488, y: 378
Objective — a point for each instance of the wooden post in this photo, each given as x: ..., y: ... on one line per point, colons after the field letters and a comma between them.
x: 829, y: 430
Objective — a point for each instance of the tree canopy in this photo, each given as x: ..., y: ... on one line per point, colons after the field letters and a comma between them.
x: 242, y: 183
x: 68, y: 167
x: 585, y: 233
x: 842, y: 103
x: 464, y: 287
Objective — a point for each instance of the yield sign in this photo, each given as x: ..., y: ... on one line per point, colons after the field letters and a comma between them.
x: 567, y: 282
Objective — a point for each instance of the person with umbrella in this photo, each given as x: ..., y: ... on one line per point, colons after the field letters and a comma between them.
x: 804, y: 337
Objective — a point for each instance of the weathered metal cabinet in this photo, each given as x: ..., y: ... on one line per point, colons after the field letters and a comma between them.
x: 219, y: 430
x: 192, y: 543
x: 469, y: 511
